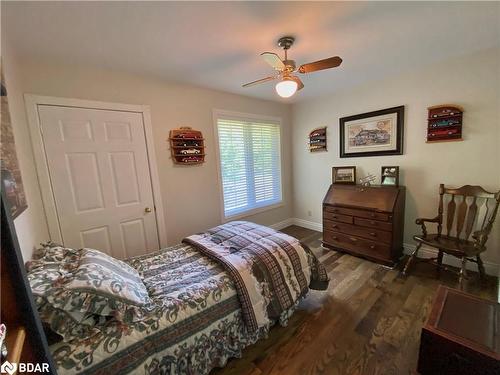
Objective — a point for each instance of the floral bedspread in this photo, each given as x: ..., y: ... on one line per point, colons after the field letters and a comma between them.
x: 197, y: 325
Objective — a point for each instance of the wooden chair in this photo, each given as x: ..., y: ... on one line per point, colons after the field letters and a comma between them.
x: 475, y: 213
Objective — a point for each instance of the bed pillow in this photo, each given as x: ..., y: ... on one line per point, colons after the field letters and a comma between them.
x: 105, y: 276
x: 52, y: 252
x: 86, y: 285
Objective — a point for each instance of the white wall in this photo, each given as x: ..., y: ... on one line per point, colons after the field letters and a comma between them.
x: 30, y: 226
x: 190, y: 194
x: 471, y: 81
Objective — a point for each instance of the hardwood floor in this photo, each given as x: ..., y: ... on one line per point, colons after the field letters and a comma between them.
x: 367, y: 322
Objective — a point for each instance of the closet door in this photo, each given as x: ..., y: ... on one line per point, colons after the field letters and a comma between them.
x: 99, y: 171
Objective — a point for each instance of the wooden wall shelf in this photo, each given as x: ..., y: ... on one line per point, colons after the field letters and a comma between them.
x: 187, y: 146
x: 444, y: 123
x: 317, y: 140
x: 445, y: 140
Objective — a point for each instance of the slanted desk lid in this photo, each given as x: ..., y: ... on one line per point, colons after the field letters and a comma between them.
x: 378, y: 198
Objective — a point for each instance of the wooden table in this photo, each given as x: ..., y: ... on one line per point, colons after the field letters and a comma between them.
x: 461, y: 336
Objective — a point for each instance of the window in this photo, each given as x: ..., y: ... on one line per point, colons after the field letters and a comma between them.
x: 250, y: 165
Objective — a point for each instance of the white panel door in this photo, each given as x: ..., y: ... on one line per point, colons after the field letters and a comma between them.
x: 99, y: 171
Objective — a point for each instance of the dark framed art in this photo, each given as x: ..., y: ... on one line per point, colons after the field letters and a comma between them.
x: 390, y: 176
x: 11, y: 180
x: 374, y: 133
x: 344, y: 175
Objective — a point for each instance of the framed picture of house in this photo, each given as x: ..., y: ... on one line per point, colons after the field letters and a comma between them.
x: 374, y: 133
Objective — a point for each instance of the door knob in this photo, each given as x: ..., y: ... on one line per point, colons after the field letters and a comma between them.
x: 148, y: 209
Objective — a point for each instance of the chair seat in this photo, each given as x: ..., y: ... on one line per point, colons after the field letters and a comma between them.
x: 449, y: 244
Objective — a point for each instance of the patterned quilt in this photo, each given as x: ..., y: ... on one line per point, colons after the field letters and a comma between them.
x: 270, y: 269
x: 198, y: 323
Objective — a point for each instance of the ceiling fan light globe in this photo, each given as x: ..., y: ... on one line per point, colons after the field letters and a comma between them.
x: 286, y: 88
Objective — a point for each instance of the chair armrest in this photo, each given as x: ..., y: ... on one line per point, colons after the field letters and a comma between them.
x: 421, y: 221
x: 480, y: 237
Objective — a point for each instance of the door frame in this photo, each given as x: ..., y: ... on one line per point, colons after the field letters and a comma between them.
x: 32, y: 102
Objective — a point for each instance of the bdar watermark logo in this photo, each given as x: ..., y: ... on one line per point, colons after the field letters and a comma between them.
x: 8, y: 368
x: 23, y: 368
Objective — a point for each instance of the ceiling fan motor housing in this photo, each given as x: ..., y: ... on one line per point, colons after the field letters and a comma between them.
x: 290, y: 65
x: 286, y: 42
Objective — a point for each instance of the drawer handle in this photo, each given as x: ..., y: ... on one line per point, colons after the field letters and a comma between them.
x: 353, y: 239
x: 335, y: 238
x: 373, y: 234
x: 373, y: 222
x: 334, y: 216
x: 372, y: 215
x: 335, y: 226
x: 372, y: 247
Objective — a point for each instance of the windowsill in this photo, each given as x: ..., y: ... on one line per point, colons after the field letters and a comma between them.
x: 253, y: 211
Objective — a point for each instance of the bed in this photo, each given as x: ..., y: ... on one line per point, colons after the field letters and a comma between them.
x: 209, y: 298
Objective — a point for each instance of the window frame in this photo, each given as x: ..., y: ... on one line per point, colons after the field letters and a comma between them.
x: 231, y: 115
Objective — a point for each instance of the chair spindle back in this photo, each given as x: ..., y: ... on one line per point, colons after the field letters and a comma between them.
x: 469, y: 207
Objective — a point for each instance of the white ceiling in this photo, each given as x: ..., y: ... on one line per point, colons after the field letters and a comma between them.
x: 217, y: 44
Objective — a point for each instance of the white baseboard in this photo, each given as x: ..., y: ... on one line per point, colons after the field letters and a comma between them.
x: 424, y: 252
x: 308, y: 224
x: 282, y: 224
x: 428, y: 252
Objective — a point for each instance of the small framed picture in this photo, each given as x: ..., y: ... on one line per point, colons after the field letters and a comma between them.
x: 390, y: 176
x: 344, y: 175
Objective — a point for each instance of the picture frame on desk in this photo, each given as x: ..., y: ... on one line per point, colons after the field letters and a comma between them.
x: 389, y: 176
x: 344, y: 175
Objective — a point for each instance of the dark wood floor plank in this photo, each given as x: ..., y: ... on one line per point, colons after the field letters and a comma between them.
x: 368, y: 321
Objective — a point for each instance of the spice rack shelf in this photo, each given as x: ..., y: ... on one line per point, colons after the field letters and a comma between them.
x: 187, y: 146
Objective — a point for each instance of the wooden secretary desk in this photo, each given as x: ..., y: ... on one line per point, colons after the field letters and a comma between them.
x: 366, y: 221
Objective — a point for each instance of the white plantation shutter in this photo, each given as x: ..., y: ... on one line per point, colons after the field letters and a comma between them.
x: 250, y: 163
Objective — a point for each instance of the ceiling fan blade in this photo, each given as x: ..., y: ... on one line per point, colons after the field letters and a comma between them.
x: 262, y: 80
x: 331, y: 62
x: 299, y: 83
x: 273, y: 60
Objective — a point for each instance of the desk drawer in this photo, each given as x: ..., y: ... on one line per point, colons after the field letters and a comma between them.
x: 358, y: 213
x: 337, y: 217
x: 373, y: 224
x: 368, y: 233
x: 357, y: 244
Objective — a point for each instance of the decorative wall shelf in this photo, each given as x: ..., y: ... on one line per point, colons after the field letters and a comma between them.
x: 317, y: 140
x: 187, y: 146
x: 444, y: 123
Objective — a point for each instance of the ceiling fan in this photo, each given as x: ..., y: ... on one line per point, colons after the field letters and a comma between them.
x: 289, y: 83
